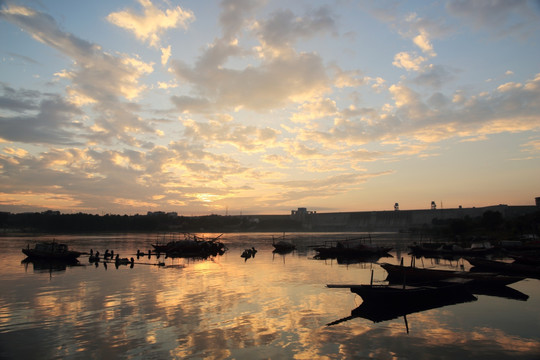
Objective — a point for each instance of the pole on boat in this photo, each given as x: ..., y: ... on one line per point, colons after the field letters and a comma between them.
x: 404, y: 273
x: 406, y: 323
x: 371, y: 283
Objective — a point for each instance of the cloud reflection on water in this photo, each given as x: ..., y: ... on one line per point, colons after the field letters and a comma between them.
x: 228, y: 308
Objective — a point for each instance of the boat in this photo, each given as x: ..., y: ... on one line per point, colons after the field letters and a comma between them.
x: 283, y: 246
x: 350, y: 249
x: 505, y: 267
x: 529, y: 259
x: 397, y: 273
x: 51, y: 250
x: 191, y: 246
x: 445, y: 250
x: 405, y: 294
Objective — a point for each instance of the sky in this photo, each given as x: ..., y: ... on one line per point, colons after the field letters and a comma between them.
x: 260, y: 107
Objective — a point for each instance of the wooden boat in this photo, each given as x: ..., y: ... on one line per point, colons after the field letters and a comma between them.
x: 284, y: 246
x: 529, y: 259
x: 51, y: 250
x: 397, y: 273
x: 505, y: 267
x: 444, y: 250
x: 191, y: 246
x: 404, y: 294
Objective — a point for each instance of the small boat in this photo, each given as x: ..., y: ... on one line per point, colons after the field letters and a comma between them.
x: 529, y: 259
x: 51, y: 250
x: 191, y: 246
x: 406, y: 294
x: 445, y: 250
x: 283, y: 246
x: 397, y: 273
x: 505, y: 267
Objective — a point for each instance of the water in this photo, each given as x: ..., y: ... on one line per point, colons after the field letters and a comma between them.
x: 268, y: 307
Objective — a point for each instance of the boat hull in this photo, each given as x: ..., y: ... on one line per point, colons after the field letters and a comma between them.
x: 407, y: 274
x: 51, y: 250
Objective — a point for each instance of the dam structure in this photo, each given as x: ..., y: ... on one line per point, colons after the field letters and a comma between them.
x: 396, y: 220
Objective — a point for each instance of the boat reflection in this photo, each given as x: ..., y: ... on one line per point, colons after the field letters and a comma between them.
x: 49, y: 265
x: 378, y: 311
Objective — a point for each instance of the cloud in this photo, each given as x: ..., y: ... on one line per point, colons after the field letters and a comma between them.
x: 153, y: 22
x: 508, y: 108
x: 408, y: 61
x: 300, y: 191
x: 94, y: 179
x: 51, y: 121
x: 435, y: 76
x: 235, y: 14
x: 315, y: 110
x: 422, y: 41
x: 284, y: 28
x: 96, y: 78
x: 165, y: 55
x: 244, y: 138
x: 519, y: 17
x: 273, y: 84
x: 280, y: 75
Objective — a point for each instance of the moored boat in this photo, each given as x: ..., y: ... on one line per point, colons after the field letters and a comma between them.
x: 444, y: 250
x: 51, y: 250
x: 397, y: 273
x: 401, y: 293
x: 284, y: 246
x: 505, y: 267
x: 191, y: 246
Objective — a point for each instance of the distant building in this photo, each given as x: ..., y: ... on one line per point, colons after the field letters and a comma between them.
x: 537, y: 200
x: 301, y: 214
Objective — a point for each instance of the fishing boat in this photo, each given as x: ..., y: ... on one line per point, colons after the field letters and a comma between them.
x: 446, y: 250
x: 191, y: 246
x: 397, y: 273
x: 51, y: 250
x: 505, y: 267
x: 403, y: 293
x: 283, y: 246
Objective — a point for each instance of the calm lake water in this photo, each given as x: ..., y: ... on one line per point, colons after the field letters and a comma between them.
x: 268, y: 307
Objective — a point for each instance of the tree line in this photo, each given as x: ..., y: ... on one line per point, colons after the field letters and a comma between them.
x: 54, y: 222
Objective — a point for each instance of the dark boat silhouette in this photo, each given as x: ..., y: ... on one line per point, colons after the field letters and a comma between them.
x: 378, y: 311
x: 51, y: 250
x: 397, y: 274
